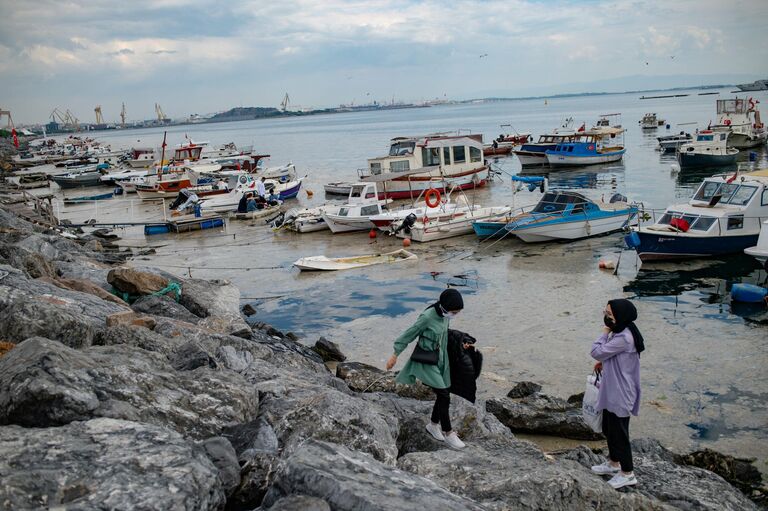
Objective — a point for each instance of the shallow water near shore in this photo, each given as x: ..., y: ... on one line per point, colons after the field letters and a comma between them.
x: 535, y: 309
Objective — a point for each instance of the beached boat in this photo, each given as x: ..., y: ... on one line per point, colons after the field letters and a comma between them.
x: 650, y: 122
x: 723, y: 216
x: 391, y: 219
x: 671, y: 143
x: 229, y: 201
x: 338, y: 188
x: 457, y: 222
x: 33, y: 180
x: 760, y: 251
x: 565, y: 215
x: 355, y: 215
x: 416, y: 164
x: 710, y: 149
x: 88, y: 198
x: 601, y: 144
x: 267, y: 212
x: 741, y: 118
x: 534, y: 153
x: 78, y: 179
x: 323, y: 263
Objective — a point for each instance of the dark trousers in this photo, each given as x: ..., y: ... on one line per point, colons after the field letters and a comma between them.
x: 441, y: 410
x: 616, y: 431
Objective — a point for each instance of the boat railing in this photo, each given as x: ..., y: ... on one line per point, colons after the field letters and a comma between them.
x: 650, y: 216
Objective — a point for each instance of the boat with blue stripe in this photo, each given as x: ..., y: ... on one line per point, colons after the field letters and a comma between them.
x: 566, y: 215
x: 534, y: 153
x: 724, y: 216
x: 602, y: 143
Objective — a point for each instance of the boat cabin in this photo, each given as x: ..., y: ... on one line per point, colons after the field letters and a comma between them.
x: 563, y: 203
x: 451, y: 153
x: 711, y: 136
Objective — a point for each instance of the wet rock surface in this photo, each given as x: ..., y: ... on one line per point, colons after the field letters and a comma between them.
x: 365, y: 378
x: 329, y: 351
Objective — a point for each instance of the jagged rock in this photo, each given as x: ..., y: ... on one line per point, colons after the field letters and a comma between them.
x: 85, y: 286
x: 140, y: 337
x: 249, y: 310
x: 524, y: 389
x: 130, y: 318
x: 329, y: 351
x: 5, y: 347
x: 91, y: 271
x: 740, y: 472
x: 95, y: 246
x: 33, y: 264
x: 164, y: 306
x: 44, y: 383
x: 210, y: 297
x: 105, y: 464
x: 300, y: 503
x: 191, y: 356
x: 503, y: 473
x: 105, y: 234
x: 413, y: 437
x: 576, y: 399
x: 136, y: 282
x: 351, y: 481
x: 541, y: 414
x: 44, y: 316
x: 679, y: 486
x: 257, y: 447
x: 220, y: 452
x: 364, y: 378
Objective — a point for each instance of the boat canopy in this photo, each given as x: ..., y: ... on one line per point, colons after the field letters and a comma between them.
x: 556, y: 202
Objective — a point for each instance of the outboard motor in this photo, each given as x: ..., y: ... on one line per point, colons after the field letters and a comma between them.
x: 617, y: 197
x: 407, y: 224
x: 181, y: 198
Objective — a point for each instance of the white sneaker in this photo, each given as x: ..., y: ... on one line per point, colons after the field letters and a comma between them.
x: 454, y: 441
x: 434, y: 430
x: 621, y: 480
x: 605, y: 469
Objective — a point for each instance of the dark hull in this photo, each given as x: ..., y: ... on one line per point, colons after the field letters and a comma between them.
x: 665, y: 246
x: 705, y: 160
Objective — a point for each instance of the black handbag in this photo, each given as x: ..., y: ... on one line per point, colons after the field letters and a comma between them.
x: 422, y: 356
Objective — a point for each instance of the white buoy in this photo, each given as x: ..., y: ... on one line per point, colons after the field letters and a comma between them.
x: 675, y: 168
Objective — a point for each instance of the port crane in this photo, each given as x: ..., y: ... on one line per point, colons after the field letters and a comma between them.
x: 284, y: 103
x: 99, y: 118
x: 65, y: 118
x: 161, y: 117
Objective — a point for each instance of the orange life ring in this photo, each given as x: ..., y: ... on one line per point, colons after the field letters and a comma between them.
x: 432, y: 194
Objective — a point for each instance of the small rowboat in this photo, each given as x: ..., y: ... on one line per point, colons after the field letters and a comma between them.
x: 318, y: 263
x: 259, y: 213
x: 89, y: 198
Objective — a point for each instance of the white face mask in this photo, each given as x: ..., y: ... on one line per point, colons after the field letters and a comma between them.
x: 451, y: 315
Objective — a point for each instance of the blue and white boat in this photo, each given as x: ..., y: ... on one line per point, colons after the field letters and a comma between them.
x: 601, y: 144
x: 724, y: 216
x: 495, y: 227
x: 565, y: 215
x: 534, y: 153
x: 708, y: 150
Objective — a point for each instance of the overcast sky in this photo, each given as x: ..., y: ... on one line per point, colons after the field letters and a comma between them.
x: 196, y: 56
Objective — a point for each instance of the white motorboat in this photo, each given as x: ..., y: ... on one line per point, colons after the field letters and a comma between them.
x: 651, y: 122
x: 229, y: 201
x: 355, y: 215
x: 318, y: 263
x: 338, y: 188
x: 741, y: 118
x: 123, y: 175
x: 566, y: 215
x: 457, y: 222
x: 710, y: 149
x: 760, y: 251
x: 671, y: 143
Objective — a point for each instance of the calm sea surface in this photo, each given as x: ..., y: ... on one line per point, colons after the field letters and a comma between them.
x: 535, y: 309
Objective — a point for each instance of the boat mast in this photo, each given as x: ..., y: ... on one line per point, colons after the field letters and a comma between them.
x: 162, y: 156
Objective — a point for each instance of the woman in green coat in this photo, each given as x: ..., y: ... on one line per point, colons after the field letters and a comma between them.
x: 431, y: 329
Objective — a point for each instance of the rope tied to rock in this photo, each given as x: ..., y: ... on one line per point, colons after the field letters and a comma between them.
x: 172, y: 287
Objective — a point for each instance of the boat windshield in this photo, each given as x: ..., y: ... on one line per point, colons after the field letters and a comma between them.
x: 732, y: 193
x: 401, y: 148
x: 357, y: 192
x: 557, y: 202
x: 696, y: 223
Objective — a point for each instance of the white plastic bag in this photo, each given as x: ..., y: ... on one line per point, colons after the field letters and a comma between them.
x: 592, y: 416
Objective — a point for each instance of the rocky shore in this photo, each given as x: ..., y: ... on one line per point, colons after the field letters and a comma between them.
x: 130, y: 388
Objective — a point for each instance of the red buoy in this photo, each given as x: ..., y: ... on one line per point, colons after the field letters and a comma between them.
x: 406, y: 242
x: 372, y: 234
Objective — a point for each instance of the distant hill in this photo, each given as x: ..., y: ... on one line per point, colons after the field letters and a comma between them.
x: 248, y: 113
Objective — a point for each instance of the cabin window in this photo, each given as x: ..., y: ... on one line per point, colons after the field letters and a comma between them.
x: 723, y: 136
x: 446, y: 155
x: 475, y: 154
x: 736, y: 222
x: 401, y: 148
x: 357, y: 191
x: 375, y: 168
x: 430, y: 156
x: 667, y: 217
x: 705, y: 138
x: 459, y: 155
x: 343, y: 211
x: 369, y: 210
x: 400, y: 165
x: 703, y: 223
x: 742, y: 195
x: 764, y: 198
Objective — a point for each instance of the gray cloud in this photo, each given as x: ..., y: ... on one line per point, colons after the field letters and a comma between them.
x: 162, y: 52
x: 122, y: 51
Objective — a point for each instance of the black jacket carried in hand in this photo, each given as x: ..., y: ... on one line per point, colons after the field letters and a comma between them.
x: 465, y: 364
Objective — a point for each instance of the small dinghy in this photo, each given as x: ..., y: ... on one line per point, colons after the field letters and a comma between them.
x: 323, y: 263
x: 89, y: 198
x: 259, y: 213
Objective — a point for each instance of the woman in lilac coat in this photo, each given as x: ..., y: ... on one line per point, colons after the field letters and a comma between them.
x: 618, y: 354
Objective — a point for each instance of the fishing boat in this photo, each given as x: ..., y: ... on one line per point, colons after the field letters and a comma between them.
x: 710, y: 149
x: 283, y: 189
x: 267, y: 212
x: 650, y: 122
x: 323, y: 263
x: 533, y: 154
x: 671, y: 143
x: 456, y: 222
x: 741, y: 118
x: 311, y: 219
x: 32, y: 180
x: 355, y: 215
x: 78, y: 179
x: 760, y: 251
x: 89, y: 198
x: 140, y: 157
x: 338, y: 188
x: 601, y: 144
x: 566, y: 215
x: 723, y: 216
x: 498, y: 148
x: 123, y: 174
x: 414, y: 164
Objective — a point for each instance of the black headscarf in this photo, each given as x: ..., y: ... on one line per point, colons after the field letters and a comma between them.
x: 624, y: 315
x: 450, y: 300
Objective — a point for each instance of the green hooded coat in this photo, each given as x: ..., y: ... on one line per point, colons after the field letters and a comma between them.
x: 432, y: 333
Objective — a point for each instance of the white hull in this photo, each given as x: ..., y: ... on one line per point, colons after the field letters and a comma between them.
x: 532, y: 159
x: 571, y: 230
x: 259, y: 213
x: 339, y: 224
x: 760, y: 251
x: 559, y: 160
x: 141, y: 163
x: 742, y: 141
x: 338, y: 188
x: 457, y: 223
x: 323, y: 263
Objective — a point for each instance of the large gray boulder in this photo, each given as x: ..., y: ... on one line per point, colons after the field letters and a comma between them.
x: 365, y: 378
x: 44, y: 383
x: 106, y: 464
x: 163, y: 306
x: 660, y: 477
x: 542, y: 414
x: 503, y: 473
x: 34, y: 265
x: 48, y: 317
x: 219, y: 302
x: 300, y: 503
x: 351, y: 481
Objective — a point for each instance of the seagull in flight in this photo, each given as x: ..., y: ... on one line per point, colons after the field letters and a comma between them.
x: 483, y: 55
